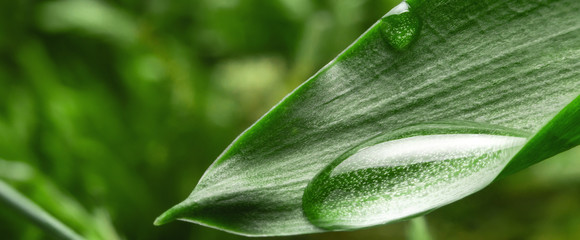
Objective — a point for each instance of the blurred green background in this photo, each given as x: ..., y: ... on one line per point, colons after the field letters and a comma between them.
x: 110, y: 112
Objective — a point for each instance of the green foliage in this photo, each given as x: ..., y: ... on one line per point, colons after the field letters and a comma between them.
x: 64, y: 210
x: 407, y: 172
x: 111, y: 110
x: 37, y: 215
x: 471, y: 62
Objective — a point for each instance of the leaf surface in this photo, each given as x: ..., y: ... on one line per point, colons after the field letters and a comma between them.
x: 513, y: 64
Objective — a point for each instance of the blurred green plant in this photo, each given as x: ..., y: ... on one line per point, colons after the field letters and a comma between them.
x: 111, y: 109
x: 64, y: 208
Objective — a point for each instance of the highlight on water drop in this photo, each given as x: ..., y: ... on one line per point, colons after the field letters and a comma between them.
x: 408, y: 174
x: 400, y: 26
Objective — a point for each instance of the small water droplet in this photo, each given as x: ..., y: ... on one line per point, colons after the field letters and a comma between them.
x: 400, y: 26
x: 395, y: 179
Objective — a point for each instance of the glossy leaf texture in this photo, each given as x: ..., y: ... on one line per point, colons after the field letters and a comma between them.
x: 511, y: 64
x: 408, y: 172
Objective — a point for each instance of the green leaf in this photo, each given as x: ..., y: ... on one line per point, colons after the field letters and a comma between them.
x: 510, y: 64
x: 407, y: 172
x: 39, y: 199
x: 560, y: 134
x: 36, y: 214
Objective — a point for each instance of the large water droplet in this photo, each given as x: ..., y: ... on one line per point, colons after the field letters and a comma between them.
x: 400, y: 26
x: 403, y: 177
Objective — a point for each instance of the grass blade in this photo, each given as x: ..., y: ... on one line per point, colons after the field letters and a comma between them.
x: 35, y: 214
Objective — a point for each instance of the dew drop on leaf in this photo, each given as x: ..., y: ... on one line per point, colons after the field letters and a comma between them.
x: 400, y: 26
x: 401, y: 178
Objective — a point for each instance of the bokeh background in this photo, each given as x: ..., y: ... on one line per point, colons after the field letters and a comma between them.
x: 110, y: 112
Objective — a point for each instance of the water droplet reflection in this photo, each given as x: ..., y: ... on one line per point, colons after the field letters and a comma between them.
x: 400, y: 178
x: 400, y: 26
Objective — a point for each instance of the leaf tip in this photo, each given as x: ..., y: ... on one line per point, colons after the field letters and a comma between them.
x: 164, y: 218
x: 170, y: 215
